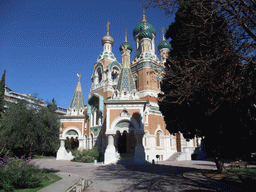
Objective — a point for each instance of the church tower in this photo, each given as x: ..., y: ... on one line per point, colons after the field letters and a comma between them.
x: 106, y: 70
x: 146, y: 67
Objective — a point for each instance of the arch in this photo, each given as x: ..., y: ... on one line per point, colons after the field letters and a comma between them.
x: 99, y: 73
x: 98, y: 65
x: 132, y: 120
x: 115, y: 64
x: 72, y: 128
x: 115, y: 73
x: 159, y: 135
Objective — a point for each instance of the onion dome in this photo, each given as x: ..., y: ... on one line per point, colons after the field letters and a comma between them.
x: 163, y: 44
x: 125, y: 43
x: 145, y: 34
x: 144, y: 25
x: 107, y: 38
x: 140, y: 28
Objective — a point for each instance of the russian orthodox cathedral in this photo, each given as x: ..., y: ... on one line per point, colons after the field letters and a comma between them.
x: 122, y: 116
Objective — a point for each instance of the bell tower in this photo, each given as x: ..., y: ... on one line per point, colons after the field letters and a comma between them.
x: 146, y: 66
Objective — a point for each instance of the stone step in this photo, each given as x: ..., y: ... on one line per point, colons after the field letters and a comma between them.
x: 174, y: 156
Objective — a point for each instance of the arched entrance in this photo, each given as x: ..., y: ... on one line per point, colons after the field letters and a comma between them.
x: 71, y: 141
x: 125, y: 138
x: 122, y: 138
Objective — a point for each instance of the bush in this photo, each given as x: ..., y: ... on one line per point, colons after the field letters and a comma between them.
x: 86, y: 155
x: 18, y: 174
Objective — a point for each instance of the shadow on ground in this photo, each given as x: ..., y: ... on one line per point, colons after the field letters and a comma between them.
x: 150, y: 177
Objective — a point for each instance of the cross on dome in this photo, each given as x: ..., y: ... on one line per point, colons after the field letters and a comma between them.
x: 125, y: 35
x: 163, y: 33
x: 144, y: 16
x: 79, y: 76
x: 108, y: 27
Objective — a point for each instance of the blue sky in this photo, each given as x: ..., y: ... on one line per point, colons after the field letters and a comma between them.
x: 45, y: 43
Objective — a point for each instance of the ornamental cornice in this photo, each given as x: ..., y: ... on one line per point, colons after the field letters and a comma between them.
x: 72, y: 118
x: 125, y: 101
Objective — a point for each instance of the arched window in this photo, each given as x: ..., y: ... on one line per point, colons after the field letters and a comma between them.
x: 158, y: 138
x: 99, y: 74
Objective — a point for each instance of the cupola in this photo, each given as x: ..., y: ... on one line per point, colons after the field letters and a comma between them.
x: 125, y: 43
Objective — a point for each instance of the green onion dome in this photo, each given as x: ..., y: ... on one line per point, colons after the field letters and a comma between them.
x: 140, y: 28
x: 145, y: 34
x: 163, y: 44
x: 125, y: 43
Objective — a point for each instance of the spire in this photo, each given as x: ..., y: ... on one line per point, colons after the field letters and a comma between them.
x: 125, y: 81
x: 125, y: 35
x: 78, y: 99
x: 163, y: 33
x: 144, y: 16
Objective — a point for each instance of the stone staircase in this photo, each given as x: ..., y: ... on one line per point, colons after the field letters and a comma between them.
x: 174, y: 156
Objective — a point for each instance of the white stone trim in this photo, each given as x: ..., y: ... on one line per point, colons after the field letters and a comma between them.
x: 119, y: 119
x: 69, y: 129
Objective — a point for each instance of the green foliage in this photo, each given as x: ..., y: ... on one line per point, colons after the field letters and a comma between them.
x: 86, y: 155
x: 202, y: 72
x: 18, y: 173
x: 203, y: 82
x: 2, y: 88
x: 29, y: 129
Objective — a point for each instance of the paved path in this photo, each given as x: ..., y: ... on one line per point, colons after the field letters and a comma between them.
x: 166, y: 176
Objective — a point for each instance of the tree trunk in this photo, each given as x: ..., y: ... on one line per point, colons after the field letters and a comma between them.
x: 219, y: 164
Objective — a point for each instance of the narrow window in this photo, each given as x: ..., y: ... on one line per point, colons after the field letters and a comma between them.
x: 157, y: 139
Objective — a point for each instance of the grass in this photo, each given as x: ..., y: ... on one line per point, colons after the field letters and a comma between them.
x: 48, y: 179
x: 42, y: 157
x: 245, y: 173
x: 232, y: 175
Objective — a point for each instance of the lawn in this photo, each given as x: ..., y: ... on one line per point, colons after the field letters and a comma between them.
x: 42, y: 157
x: 48, y: 179
x: 242, y: 177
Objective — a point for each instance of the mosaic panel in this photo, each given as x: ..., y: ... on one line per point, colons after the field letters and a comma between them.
x: 123, y: 124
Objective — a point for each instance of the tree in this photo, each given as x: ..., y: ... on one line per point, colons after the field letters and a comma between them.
x: 241, y: 17
x: 203, y: 77
x: 29, y: 129
x: 2, y: 89
x: 49, y: 125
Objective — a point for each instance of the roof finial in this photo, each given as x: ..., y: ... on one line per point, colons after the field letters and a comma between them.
x: 144, y: 17
x: 108, y: 27
x: 145, y: 28
x: 163, y: 33
x: 79, y: 76
x: 125, y: 35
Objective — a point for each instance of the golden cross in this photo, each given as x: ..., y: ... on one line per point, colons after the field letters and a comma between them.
x: 144, y: 17
x: 163, y: 32
x: 108, y: 27
x: 79, y: 76
x: 125, y: 35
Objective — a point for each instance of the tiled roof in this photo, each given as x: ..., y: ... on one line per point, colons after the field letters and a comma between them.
x: 78, y: 99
